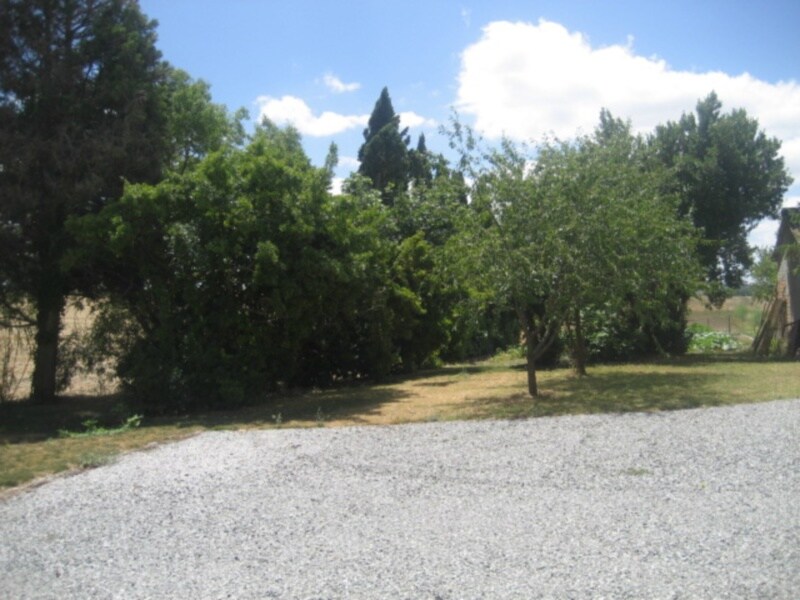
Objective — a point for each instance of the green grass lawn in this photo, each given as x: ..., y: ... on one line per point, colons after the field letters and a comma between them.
x: 31, y: 445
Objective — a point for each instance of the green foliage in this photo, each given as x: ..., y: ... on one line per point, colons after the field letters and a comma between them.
x: 420, y: 163
x: 93, y: 428
x: 243, y: 275
x: 384, y: 155
x: 581, y: 226
x: 225, y: 267
x: 195, y: 125
x: 479, y: 329
x: 765, y: 275
x: 729, y: 175
x: 614, y: 335
x: 704, y: 339
x: 80, y: 112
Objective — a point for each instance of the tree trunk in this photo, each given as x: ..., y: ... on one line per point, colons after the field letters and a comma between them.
x: 48, y: 327
x: 533, y: 389
x: 579, y: 351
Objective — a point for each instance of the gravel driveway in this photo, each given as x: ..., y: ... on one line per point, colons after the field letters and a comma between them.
x: 690, y: 504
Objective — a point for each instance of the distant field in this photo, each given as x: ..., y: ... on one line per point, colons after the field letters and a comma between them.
x: 740, y: 316
x: 16, y: 346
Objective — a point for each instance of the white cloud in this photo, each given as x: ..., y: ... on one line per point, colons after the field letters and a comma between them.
x: 412, y: 119
x: 765, y: 233
x: 338, y: 86
x: 349, y: 162
x: 294, y: 111
x: 529, y: 80
x: 336, y: 186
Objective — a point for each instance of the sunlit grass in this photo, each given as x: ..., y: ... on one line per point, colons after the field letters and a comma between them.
x: 30, y: 445
x: 24, y: 461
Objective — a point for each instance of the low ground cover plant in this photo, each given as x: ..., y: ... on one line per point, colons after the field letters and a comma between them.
x: 92, y: 427
x: 704, y: 339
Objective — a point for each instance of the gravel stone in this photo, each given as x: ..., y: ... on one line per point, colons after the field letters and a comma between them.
x: 700, y: 503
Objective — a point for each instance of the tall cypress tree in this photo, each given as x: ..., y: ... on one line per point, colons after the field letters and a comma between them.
x: 420, y: 167
x: 384, y: 154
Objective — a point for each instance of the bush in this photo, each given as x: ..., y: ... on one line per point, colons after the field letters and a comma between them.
x: 622, y: 336
x: 244, y: 276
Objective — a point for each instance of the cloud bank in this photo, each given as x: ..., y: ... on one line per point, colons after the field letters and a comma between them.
x: 529, y: 80
x: 290, y: 110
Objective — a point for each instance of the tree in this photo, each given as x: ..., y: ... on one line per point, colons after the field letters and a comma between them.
x: 729, y: 175
x: 243, y: 274
x: 765, y: 274
x: 384, y: 154
x: 195, y: 125
x: 420, y: 168
x: 580, y: 226
x: 221, y: 270
x: 80, y: 111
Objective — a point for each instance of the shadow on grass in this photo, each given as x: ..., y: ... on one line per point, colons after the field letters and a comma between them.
x: 609, y: 392
x: 354, y: 403
x: 606, y: 389
x: 707, y: 358
x: 25, y: 421
x: 446, y: 371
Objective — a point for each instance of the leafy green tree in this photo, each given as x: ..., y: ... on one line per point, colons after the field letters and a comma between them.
x: 729, y: 175
x: 622, y: 331
x: 243, y: 274
x: 196, y: 126
x: 579, y: 226
x: 765, y: 275
x: 412, y: 303
x: 221, y: 270
x: 425, y: 328
x: 384, y: 155
x: 80, y: 111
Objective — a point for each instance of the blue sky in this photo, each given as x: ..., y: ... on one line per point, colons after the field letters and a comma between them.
x: 521, y: 68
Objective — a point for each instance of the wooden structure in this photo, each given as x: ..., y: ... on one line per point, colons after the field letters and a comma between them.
x: 780, y: 325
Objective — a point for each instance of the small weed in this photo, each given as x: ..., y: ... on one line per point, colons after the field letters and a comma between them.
x: 93, y: 428
x: 320, y: 417
x: 704, y: 339
x: 278, y: 419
